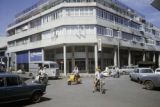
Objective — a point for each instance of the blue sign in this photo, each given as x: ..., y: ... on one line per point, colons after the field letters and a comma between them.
x: 22, y: 57
x: 36, y: 55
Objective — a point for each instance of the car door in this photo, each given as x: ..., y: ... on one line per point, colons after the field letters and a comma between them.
x: 2, y: 89
x: 135, y: 74
x: 15, y: 90
x: 137, y: 71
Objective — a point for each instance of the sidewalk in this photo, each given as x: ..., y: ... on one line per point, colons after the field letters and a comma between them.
x: 27, y: 75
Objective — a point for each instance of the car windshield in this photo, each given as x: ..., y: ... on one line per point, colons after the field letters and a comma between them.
x: 158, y: 70
x: 146, y: 71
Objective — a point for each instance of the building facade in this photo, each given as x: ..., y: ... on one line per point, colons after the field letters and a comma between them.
x: 86, y: 33
x: 156, y: 4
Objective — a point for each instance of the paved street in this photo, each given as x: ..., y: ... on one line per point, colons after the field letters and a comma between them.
x: 121, y: 92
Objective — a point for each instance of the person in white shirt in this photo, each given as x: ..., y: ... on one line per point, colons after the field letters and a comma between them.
x: 42, y: 72
x: 76, y: 73
x: 75, y: 70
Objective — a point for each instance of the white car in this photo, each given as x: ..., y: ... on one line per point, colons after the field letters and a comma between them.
x: 112, y: 71
x: 106, y: 72
x: 157, y: 71
x: 127, y: 69
x: 138, y: 73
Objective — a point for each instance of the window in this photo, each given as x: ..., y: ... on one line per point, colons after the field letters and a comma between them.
x: 35, y: 37
x: 1, y: 82
x: 127, y: 36
x: 109, y: 32
x: 22, y: 41
x: 146, y: 71
x: 149, y: 41
x: 53, y: 65
x: 115, y: 33
x: 79, y: 49
x: 158, y: 43
x: 46, y: 66
x: 81, y: 64
x: 136, y: 71
x: 35, y: 23
x: 113, y: 17
x: 138, y: 38
x: 157, y: 70
x: 104, y: 31
x: 12, y: 81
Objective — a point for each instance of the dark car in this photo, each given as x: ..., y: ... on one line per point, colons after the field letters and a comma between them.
x: 151, y: 81
x: 13, y: 88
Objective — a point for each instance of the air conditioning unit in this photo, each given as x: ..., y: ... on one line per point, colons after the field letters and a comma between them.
x: 133, y: 41
x: 142, y: 44
x: 25, y: 27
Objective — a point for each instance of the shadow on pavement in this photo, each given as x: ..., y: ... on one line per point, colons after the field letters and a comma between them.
x: 50, y: 78
x: 23, y: 103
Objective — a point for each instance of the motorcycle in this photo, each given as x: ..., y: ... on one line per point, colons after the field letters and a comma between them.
x: 99, y: 87
x: 42, y: 79
x: 74, y: 79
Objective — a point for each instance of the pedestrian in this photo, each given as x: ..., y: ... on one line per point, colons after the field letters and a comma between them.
x: 41, y: 71
x: 96, y: 78
x: 76, y: 72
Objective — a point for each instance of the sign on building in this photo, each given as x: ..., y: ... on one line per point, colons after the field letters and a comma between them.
x: 99, y: 45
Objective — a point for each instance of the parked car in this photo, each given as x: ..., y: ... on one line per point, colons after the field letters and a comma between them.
x: 127, y: 69
x: 151, y: 81
x: 106, y: 72
x: 114, y: 71
x: 157, y: 71
x: 13, y: 88
x: 138, y: 73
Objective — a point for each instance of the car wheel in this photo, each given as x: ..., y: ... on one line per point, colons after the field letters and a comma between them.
x: 149, y: 85
x: 36, y: 97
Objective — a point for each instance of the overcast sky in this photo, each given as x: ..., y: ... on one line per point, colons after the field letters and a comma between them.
x: 8, y: 9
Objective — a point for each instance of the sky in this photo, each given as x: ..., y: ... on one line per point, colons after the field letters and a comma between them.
x: 9, y: 8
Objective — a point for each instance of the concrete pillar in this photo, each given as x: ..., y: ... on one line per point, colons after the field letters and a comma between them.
x: 7, y: 61
x: 73, y: 58
x: 129, y: 58
x: 102, y: 63
x: 29, y: 55
x: 159, y: 59
x: 144, y: 56
x: 154, y: 57
x: 96, y: 56
x: 64, y: 60
x: 86, y: 60
x: 42, y: 54
x: 15, y: 62
x: 115, y: 57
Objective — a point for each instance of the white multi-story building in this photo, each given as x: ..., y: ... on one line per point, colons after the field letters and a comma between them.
x: 86, y: 33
